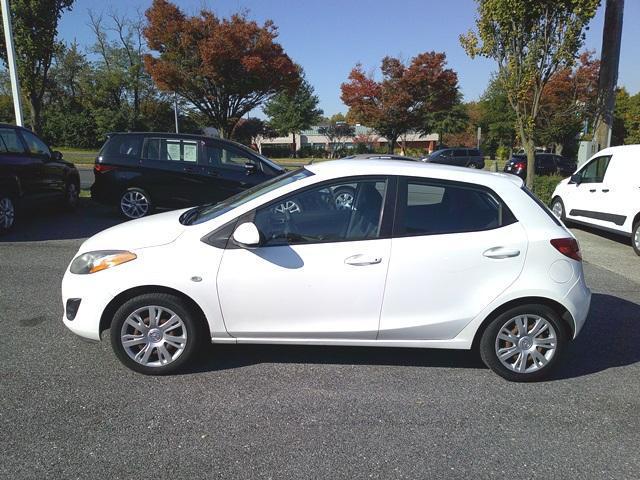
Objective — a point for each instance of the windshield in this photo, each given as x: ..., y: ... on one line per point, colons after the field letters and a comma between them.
x: 205, y: 213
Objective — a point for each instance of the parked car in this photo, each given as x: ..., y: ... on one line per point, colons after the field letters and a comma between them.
x: 31, y: 175
x: 385, y: 272
x: 139, y: 172
x: 461, y: 157
x: 546, y: 164
x: 604, y: 193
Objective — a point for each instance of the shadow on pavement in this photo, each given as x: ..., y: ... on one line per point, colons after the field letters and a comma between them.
x: 609, y: 339
x: 52, y: 223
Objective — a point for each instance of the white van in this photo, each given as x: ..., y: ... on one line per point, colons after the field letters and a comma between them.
x: 604, y: 193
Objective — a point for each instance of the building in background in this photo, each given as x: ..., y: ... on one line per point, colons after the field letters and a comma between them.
x: 364, y: 135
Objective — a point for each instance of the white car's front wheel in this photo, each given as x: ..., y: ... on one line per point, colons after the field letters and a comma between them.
x: 155, y: 333
x: 557, y: 207
x: 635, y: 238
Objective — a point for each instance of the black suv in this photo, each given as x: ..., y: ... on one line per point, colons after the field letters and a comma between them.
x: 546, y: 164
x: 460, y: 157
x: 31, y: 175
x: 138, y: 172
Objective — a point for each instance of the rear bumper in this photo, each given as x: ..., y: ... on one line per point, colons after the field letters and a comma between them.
x: 578, y: 301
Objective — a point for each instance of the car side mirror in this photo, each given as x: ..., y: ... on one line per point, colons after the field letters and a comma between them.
x: 56, y: 155
x: 246, y: 235
x: 576, y: 178
x: 250, y: 168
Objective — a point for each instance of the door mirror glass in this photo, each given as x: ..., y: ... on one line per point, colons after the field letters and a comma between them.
x: 576, y: 178
x: 247, y: 235
x: 56, y: 155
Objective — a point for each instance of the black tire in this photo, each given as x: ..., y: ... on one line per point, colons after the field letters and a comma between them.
x: 489, y: 342
x: 558, y: 203
x: 7, y: 213
x: 473, y: 165
x: 192, y: 324
x: 635, y: 238
x: 145, y: 205
x: 71, y: 195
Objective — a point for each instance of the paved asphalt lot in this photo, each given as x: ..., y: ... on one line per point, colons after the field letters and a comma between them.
x: 69, y: 410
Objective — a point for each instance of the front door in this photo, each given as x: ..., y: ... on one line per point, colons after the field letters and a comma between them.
x: 585, y: 202
x: 320, y: 271
x: 456, y: 247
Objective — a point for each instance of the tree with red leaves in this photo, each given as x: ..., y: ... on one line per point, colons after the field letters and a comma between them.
x: 223, y: 67
x: 407, y: 98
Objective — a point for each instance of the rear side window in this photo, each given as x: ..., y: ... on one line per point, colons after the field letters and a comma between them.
x: 459, y: 153
x: 123, y: 146
x: 474, y: 153
x: 170, y: 149
x: 9, y: 141
x: 429, y: 207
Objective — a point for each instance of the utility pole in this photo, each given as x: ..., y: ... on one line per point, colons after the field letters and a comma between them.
x: 608, y: 78
x: 11, y: 61
x: 175, y: 109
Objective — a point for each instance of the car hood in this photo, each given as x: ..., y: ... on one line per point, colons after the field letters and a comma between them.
x: 150, y: 231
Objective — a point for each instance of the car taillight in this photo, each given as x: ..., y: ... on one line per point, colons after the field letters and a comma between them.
x: 568, y: 247
x: 520, y: 165
x: 99, y: 168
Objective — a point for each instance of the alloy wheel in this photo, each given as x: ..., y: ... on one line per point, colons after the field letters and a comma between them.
x: 288, y: 207
x: 153, y: 336
x: 134, y: 204
x: 344, y: 201
x: 636, y: 239
x: 526, y: 343
x: 72, y: 194
x: 7, y: 213
x: 556, y: 208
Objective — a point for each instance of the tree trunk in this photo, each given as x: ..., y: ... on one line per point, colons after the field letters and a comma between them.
x: 294, y: 144
x: 391, y: 145
x: 35, y: 108
x: 530, y: 150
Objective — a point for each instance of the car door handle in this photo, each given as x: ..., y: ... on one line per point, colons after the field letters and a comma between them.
x: 605, y: 190
x: 361, y: 260
x: 191, y: 169
x: 501, y: 252
x: 592, y: 190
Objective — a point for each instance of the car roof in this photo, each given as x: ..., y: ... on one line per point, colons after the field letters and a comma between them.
x: 353, y: 167
x: 380, y: 156
x: 627, y: 151
x: 194, y: 136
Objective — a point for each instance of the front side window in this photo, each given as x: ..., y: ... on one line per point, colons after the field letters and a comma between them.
x: 433, y: 207
x: 35, y: 145
x: 595, y: 170
x: 226, y: 157
x: 9, y: 141
x: 340, y: 211
x: 170, y: 149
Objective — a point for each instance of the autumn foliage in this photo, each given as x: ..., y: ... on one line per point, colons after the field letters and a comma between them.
x: 407, y: 96
x: 223, y: 67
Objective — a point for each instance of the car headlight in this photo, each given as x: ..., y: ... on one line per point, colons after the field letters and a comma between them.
x: 92, y: 262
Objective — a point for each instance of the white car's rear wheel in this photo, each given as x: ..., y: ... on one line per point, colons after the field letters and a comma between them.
x: 155, y: 334
x: 523, y: 343
x: 635, y: 238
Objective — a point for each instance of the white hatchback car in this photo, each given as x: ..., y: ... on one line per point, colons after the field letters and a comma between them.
x: 604, y: 193
x: 418, y: 255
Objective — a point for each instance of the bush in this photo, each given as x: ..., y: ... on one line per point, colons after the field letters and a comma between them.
x: 309, y: 151
x: 276, y: 152
x: 544, y: 185
x: 502, y: 153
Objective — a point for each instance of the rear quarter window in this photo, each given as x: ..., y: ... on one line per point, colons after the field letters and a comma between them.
x: 122, y: 146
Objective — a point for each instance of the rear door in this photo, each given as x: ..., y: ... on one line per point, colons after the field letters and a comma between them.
x: 455, y: 248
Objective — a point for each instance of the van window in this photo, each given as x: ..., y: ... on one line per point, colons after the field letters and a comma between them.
x: 225, y: 157
x: 594, y: 171
x: 170, y: 149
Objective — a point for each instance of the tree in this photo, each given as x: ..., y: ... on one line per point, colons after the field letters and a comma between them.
x: 35, y: 27
x: 530, y: 40
x: 337, y: 133
x: 451, y: 121
x: 253, y: 131
x: 291, y: 112
x: 405, y: 99
x: 223, y: 67
x: 569, y: 104
x: 626, y: 119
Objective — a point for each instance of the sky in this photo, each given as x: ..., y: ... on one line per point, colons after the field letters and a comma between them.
x: 328, y: 37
